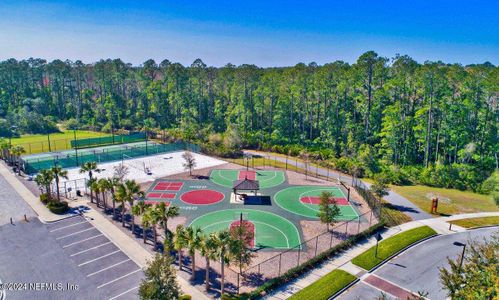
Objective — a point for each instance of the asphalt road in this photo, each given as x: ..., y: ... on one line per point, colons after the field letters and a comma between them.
x: 11, y: 204
x: 417, y: 269
x: 71, y: 255
x: 395, y: 199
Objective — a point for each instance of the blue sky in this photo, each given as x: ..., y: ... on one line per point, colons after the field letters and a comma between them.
x: 265, y: 33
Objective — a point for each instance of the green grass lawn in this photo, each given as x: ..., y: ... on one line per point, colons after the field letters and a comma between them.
x: 37, y: 143
x: 477, y: 222
x: 325, y: 287
x: 390, y: 246
x: 451, y: 201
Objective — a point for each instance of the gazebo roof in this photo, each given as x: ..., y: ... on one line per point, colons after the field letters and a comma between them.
x: 246, y: 184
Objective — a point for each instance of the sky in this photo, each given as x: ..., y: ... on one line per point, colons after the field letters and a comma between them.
x: 265, y: 33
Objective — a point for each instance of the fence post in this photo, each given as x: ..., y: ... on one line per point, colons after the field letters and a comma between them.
x: 346, y: 228
x: 280, y: 258
x: 327, y: 173
x: 358, y: 225
x: 316, y: 170
x: 299, y: 252
x: 316, y: 241
x: 237, y: 282
x: 331, y: 241
x: 259, y: 268
x: 286, y: 161
x: 370, y: 217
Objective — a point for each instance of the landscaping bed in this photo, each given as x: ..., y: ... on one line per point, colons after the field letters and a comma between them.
x: 391, y: 246
x: 477, y: 222
x: 325, y: 287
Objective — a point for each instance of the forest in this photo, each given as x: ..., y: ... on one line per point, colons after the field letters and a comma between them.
x: 431, y: 123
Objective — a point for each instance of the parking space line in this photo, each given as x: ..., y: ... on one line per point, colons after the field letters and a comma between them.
x: 114, y: 280
x: 117, y: 264
x: 83, y: 251
x: 87, y: 239
x: 75, y: 233
x: 100, y: 257
x: 127, y: 291
x: 67, y: 226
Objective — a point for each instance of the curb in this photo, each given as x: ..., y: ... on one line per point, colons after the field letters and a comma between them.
x: 338, y: 293
x: 481, y: 227
x: 383, y: 263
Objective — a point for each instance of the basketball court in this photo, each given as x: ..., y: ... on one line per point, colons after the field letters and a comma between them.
x: 269, y: 230
x: 305, y: 200
x: 266, y: 179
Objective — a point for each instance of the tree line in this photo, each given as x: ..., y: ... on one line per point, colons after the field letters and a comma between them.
x: 375, y: 113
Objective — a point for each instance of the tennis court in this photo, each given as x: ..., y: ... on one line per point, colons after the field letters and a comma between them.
x: 270, y: 230
x: 74, y: 158
x: 305, y: 200
x: 266, y: 179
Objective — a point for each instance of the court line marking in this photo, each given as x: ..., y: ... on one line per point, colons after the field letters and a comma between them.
x: 93, y: 237
x: 257, y: 211
x: 125, y: 292
x: 67, y: 226
x: 107, y: 268
x: 77, y: 253
x: 356, y: 216
x: 100, y: 257
x: 114, y: 280
x: 75, y: 233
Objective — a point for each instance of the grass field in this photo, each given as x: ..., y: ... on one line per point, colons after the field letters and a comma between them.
x: 325, y: 287
x: 477, y: 222
x: 451, y: 201
x: 38, y: 143
x: 390, y: 246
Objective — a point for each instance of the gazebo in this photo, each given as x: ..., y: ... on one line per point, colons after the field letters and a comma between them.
x: 246, y: 185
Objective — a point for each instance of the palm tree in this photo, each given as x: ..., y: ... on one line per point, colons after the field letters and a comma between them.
x: 223, y: 241
x: 17, y: 151
x: 113, y: 182
x: 139, y: 210
x: 165, y: 213
x: 104, y: 187
x: 179, y: 243
x: 89, y: 167
x: 120, y: 197
x: 43, y: 179
x: 5, y: 146
x: 146, y: 222
x: 58, y: 173
x: 209, y: 249
x: 193, y: 243
x: 128, y: 192
x: 155, y: 219
x: 95, y: 188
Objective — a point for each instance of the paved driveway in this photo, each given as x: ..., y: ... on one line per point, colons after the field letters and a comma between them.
x: 71, y: 252
x: 416, y: 270
x: 11, y: 204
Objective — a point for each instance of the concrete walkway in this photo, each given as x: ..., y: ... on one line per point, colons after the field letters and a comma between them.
x: 343, y: 260
x: 43, y: 213
x: 395, y: 199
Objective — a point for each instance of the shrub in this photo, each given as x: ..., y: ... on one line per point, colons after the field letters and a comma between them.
x: 45, y: 198
x: 58, y: 207
x: 185, y: 297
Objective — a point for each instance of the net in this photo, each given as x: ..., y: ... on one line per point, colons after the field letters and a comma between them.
x: 134, y: 164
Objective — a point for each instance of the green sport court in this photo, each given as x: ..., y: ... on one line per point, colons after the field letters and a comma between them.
x: 304, y: 201
x: 266, y: 179
x: 270, y: 230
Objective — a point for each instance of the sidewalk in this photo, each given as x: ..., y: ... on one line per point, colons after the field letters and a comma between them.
x: 343, y: 261
x: 43, y: 213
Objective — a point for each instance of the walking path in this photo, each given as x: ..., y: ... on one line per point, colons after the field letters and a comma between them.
x: 395, y: 199
x: 343, y: 261
x: 126, y: 244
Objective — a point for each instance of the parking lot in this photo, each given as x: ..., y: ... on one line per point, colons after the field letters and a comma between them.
x: 102, y: 262
x: 71, y: 252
